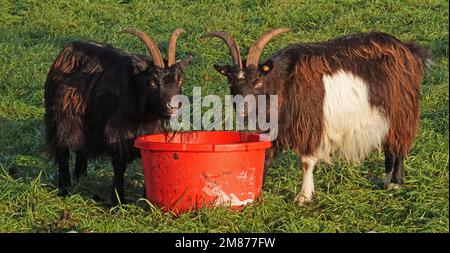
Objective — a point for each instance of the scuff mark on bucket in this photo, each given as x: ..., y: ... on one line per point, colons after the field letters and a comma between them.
x: 242, y: 176
x: 222, y: 198
x: 247, y: 175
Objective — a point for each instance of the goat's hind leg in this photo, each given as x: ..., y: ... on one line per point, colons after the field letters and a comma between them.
x: 80, y: 164
x: 397, y: 176
x: 394, y: 169
x: 62, y: 159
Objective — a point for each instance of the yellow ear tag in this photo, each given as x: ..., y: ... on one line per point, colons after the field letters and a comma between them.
x: 265, y: 68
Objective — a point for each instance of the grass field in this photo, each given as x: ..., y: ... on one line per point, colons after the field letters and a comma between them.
x: 348, y: 197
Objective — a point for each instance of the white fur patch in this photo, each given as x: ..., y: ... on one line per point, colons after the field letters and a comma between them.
x: 352, y: 126
x: 240, y: 75
x: 307, y: 189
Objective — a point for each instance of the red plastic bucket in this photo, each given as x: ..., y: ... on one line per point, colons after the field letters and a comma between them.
x: 197, y: 169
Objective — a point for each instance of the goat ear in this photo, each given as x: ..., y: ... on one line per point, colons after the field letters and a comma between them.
x: 222, y: 69
x: 266, y: 67
x: 185, y: 61
x: 139, y: 65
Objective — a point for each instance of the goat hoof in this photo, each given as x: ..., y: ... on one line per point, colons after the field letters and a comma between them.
x: 63, y: 192
x: 116, y: 202
x: 97, y: 198
x: 144, y: 204
x: 301, y: 199
x: 392, y: 186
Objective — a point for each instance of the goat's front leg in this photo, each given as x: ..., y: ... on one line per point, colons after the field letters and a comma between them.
x: 270, y: 153
x: 118, y: 192
x: 307, y: 191
x: 144, y: 192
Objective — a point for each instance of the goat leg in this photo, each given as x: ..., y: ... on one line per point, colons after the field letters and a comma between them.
x: 144, y: 193
x: 62, y: 159
x: 307, y: 191
x: 270, y: 153
x: 397, y: 175
x: 394, y: 169
x: 118, y: 193
x: 80, y: 164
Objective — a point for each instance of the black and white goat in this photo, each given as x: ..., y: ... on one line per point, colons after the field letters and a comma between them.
x: 348, y: 95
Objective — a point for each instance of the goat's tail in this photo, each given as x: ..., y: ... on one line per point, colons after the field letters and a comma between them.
x: 421, y: 53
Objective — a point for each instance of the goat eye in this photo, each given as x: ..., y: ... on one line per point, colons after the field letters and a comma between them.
x: 152, y: 83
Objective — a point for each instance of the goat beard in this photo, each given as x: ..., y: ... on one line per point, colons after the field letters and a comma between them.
x: 165, y: 129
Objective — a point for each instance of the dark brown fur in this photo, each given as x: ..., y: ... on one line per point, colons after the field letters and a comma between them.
x: 98, y: 99
x: 392, y: 69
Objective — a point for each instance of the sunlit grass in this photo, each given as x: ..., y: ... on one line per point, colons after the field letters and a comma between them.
x: 349, y: 197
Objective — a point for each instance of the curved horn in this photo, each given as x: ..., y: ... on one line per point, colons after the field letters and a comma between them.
x: 231, y: 43
x: 151, y: 45
x: 172, y: 44
x: 254, y: 53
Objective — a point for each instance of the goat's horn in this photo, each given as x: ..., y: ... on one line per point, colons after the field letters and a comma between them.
x: 231, y: 43
x: 254, y: 53
x: 151, y: 45
x: 172, y: 44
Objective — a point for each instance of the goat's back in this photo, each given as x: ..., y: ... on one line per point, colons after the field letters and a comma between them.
x: 82, y: 72
x: 387, y: 74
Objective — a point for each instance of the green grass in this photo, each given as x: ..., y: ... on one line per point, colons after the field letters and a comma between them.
x: 348, y: 199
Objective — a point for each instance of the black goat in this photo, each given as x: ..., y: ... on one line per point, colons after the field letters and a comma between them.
x: 98, y: 99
